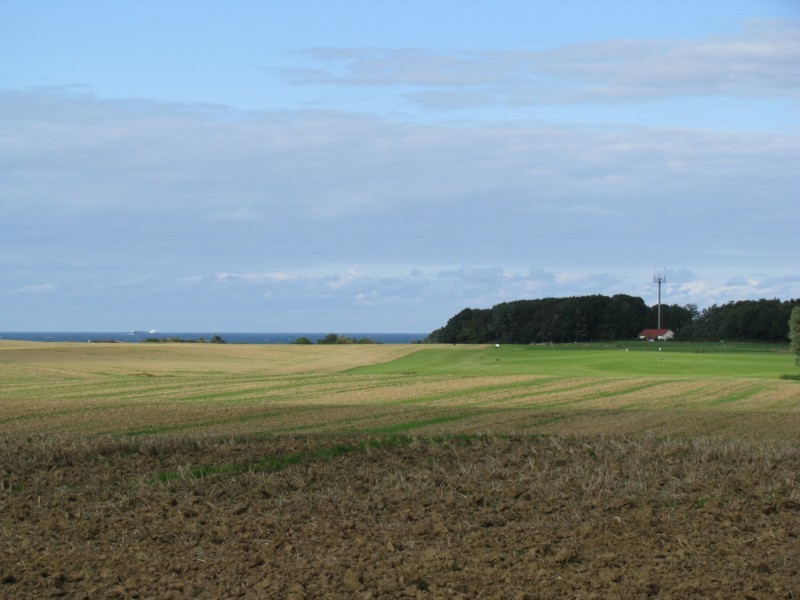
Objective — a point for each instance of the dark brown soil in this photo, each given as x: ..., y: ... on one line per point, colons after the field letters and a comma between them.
x: 467, y: 517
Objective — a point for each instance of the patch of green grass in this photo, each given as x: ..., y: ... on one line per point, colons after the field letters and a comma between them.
x: 740, y: 395
x: 281, y: 461
x: 571, y: 360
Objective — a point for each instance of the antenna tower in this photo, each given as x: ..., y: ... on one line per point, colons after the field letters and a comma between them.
x: 660, y: 278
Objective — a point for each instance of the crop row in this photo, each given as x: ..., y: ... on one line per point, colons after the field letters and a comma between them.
x: 135, y: 405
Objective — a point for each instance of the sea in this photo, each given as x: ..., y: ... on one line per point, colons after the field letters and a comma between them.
x: 229, y: 337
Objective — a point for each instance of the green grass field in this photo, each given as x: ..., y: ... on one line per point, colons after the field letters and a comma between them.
x: 179, y: 389
x: 599, y: 360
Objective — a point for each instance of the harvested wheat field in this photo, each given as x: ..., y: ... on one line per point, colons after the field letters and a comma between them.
x: 273, y: 473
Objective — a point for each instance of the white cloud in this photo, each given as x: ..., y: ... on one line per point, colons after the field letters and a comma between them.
x: 740, y: 282
x: 705, y: 291
x: 352, y: 276
x: 263, y: 277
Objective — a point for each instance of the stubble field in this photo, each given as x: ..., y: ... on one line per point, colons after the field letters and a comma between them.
x: 398, y: 471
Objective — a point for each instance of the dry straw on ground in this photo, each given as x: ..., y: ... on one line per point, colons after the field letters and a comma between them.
x: 341, y: 517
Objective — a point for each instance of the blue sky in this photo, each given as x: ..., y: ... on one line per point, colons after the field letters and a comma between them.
x: 378, y: 166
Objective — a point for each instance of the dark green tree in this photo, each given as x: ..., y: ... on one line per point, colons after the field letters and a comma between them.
x: 674, y: 317
x: 794, y: 332
x: 621, y: 317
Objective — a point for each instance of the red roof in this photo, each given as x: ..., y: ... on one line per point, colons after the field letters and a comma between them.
x: 652, y: 333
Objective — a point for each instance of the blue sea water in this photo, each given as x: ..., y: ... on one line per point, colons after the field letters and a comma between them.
x: 231, y: 338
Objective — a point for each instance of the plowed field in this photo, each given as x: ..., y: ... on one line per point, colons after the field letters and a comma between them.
x: 464, y: 517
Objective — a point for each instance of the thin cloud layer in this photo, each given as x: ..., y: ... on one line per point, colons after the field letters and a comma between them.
x: 350, y: 188
x: 374, y: 217
x: 759, y: 62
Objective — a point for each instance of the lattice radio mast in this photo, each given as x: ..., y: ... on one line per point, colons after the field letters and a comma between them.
x: 659, y: 278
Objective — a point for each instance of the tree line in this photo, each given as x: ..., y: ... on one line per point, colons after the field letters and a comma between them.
x: 215, y: 339
x: 334, y: 338
x: 619, y: 317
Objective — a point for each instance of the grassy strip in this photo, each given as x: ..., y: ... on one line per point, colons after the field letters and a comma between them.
x: 160, y: 429
x: 281, y: 461
x: 741, y: 395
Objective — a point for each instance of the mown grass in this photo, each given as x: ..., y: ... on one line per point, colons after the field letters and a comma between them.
x: 669, y: 359
x: 463, y: 389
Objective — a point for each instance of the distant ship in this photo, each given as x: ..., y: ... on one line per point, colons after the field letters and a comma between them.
x: 142, y: 332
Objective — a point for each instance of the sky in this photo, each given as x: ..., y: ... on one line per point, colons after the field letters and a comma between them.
x: 379, y: 166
